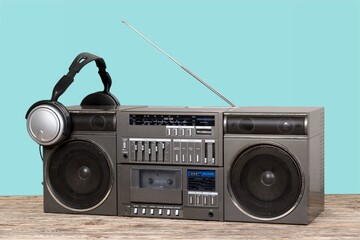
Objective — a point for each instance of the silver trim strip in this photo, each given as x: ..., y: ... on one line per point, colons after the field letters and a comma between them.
x: 150, y: 139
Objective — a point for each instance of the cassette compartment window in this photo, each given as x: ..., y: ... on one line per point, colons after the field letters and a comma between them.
x: 156, y: 186
x: 156, y: 179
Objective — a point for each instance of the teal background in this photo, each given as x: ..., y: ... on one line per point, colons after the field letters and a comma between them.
x: 255, y: 52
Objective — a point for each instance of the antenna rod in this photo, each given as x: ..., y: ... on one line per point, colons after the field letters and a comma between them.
x: 180, y: 65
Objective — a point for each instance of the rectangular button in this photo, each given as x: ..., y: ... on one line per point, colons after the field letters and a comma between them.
x: 143, y: 212
x: 188, y: 132
x: 168, y: 131
x: 160, y: 211
x: 124, y: 144
x: 213, y: 153
x: 177, y: 212
x: 198, y: 152
x: 184, y: 146
x: 168, y: 212
x: 176, y: 152
x: 151, y: 211
x: 140, y: 151
x: 133, y: 151
x: 191, y: 152
x: 205, y: 200
x: 135, y: 211
x: 182, y: 132
x: 146, y: 151
x: 213, y: 200
x: 175, y: 131
x: 191, y: 199
x: 208, y: 152
x: 160, y: 146
x: 153, y: 151
x: 167, y: 151
x: 198, y: 200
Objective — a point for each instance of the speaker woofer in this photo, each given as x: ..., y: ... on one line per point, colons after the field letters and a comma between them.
x: 79, y: 175
x: 266, y: 182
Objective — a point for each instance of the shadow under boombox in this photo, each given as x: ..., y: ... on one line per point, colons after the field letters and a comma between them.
x: 251, y: 164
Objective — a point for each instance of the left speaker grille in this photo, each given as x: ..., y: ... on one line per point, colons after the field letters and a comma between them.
x: 79, y: 175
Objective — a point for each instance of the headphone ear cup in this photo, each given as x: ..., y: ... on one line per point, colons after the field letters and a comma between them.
x: 114, y: 98
x: 100, y: 99
x: 48, y: 122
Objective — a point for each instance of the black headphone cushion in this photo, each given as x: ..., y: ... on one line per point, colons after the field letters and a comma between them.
x: 100, y: 99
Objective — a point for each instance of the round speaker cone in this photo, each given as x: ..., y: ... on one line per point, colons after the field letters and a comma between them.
x: 79, y: 175
x: 266, y: 181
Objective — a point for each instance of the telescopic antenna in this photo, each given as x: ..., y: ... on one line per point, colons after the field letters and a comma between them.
x: 180, y: 65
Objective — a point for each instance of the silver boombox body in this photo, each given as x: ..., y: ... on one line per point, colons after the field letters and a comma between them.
x: 226, y: 164
x: 251, y: 164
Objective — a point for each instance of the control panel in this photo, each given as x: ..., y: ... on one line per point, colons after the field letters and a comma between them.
x: 177, y: 139
x: 176, y: 151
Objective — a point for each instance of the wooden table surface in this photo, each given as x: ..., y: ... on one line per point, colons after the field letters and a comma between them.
x: 23, y: 218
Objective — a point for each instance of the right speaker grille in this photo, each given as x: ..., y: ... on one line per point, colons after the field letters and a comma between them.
x: 266, y: 181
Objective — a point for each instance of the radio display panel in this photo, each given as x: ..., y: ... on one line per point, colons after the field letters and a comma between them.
x: 171, y: 120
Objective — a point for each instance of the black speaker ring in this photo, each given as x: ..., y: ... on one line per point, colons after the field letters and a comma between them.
x: 233, y: 197
x: 52, y: 191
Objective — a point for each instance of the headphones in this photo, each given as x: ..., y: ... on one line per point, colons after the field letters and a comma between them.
x: 48, y: 121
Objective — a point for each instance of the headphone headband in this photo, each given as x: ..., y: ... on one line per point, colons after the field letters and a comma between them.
x: 79, y: 62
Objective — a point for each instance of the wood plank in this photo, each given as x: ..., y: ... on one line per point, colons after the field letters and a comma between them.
x: 23, y: 218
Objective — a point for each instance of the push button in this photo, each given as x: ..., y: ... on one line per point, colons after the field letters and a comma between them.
x: 213, y: 200
x: 198, y: 200
x: 135, y: 211
x: 189, y: 132
x: 191, y: 199
x: 205, y: 200
x: 168, y: 212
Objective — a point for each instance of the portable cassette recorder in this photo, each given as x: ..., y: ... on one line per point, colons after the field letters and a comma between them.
x: 246, y: 164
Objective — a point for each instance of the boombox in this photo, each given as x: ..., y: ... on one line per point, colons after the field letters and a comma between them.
x: 245, y: 164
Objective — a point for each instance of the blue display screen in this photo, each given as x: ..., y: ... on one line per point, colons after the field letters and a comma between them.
x: 201, y: 180
x: 201, y: 173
